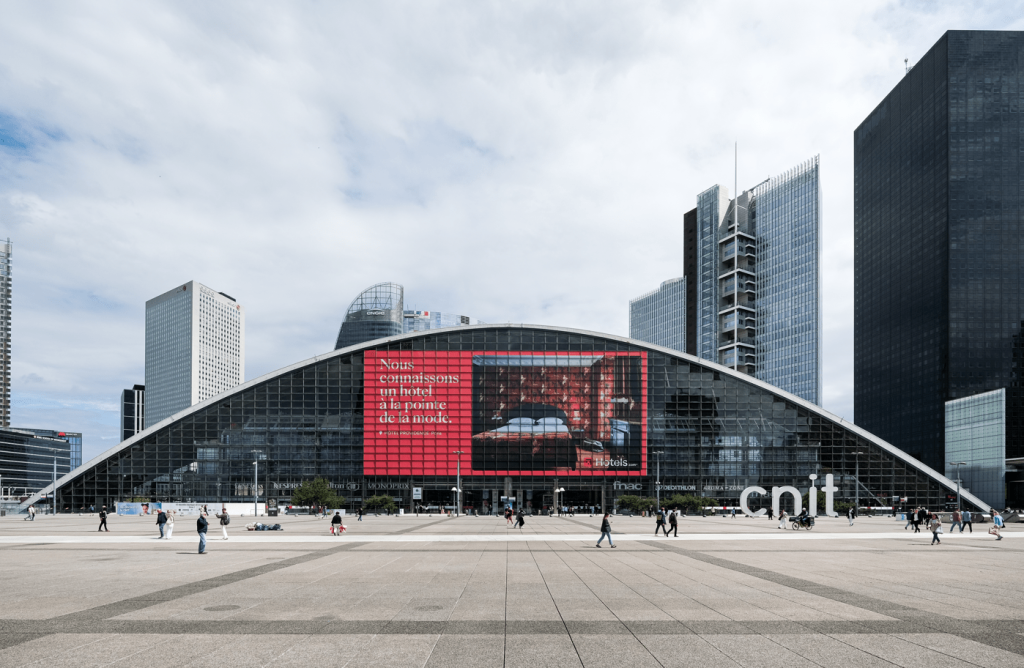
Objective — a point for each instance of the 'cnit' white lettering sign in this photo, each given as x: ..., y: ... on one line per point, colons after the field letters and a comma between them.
x: 777, y: 492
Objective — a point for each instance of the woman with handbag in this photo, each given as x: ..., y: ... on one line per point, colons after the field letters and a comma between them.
x: 936, y: 526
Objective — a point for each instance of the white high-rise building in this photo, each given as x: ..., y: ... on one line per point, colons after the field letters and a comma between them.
x: 195, y: 348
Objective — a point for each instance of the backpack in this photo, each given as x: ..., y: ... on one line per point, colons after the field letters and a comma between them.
x: 226, y: 519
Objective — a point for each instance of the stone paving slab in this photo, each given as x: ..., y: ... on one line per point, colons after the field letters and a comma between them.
x: 408, y: 591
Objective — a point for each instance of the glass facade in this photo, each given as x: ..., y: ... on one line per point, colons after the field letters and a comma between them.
x: 6, y: 250
x: 659, y: 317
x: 938, y: 295
x: 976, y: 435
x: 73, y: 438
x: 377, y: 313
x: 720, y: 430
x: 786, y: 214
x: 421, y: 321
x: 169, y: 347
x: 712, y: 206
x: 756, y: 258
x: 133, y: 411
x: 27, y: 459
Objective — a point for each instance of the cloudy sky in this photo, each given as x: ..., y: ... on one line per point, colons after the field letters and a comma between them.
x: 516, y: 162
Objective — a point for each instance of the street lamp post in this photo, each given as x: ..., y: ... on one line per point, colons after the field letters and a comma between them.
x: 55, y: 484
x: 856, y: 483
x: 255, y: 489
x: 458, y: 482
x: 657, y: 476
x: 958, y: 465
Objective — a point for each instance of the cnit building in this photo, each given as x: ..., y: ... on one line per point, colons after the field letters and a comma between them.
x: 519, y: 411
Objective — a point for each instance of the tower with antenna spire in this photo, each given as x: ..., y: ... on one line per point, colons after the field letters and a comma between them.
x: 753, y: 279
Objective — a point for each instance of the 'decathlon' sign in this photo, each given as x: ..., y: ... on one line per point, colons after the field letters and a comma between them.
x: 777, y: 492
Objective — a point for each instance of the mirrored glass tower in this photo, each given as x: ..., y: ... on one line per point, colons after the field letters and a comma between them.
x: 939, y: 240
x: 659, y: 317
x: 755, y: 268
x: 376, y: 313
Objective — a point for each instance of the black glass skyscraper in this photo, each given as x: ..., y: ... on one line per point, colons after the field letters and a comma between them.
x: 938, y: 238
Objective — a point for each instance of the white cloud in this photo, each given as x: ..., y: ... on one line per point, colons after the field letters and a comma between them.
x: 514, y: 162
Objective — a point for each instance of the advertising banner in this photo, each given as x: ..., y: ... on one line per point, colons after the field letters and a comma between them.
x: 522, y: 413
x: 128, y: 508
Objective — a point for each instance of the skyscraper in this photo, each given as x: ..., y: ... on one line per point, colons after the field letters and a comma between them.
x: 752, y: 273
x: 133, y: 411
x: 659, y: 316
x: 195, y: 348
x: 939, y: 240
x: 5, y: 332
x: 379, y: 312
x: 375, y: 314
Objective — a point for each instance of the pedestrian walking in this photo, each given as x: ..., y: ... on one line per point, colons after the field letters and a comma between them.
x: 170, y: 524
x: 734, y: 512
x: 103, y: 520
x: 965, y: 521
x: 850, y: 514
x: 201, y: 527
x: 359, y: 514
x: 336, y: 526
x: 31, y: 517
x: 508, y: 515
x: 997, y: 524
x: 161, y: 520
x: 225, y: 520
x: 910, y: 519
x: 936, y: 527
x: 771, y: 513
x: 955, y: 520
x: 782, y: 519
x: 521, y: 519
x: 922, y: 516
x: 673, y: 523
x: 606, y: 530
x: 660, y: 523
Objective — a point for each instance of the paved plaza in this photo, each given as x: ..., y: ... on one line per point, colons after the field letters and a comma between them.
x: 469, y: 591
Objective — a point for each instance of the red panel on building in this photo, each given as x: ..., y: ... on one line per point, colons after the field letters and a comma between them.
x: 515, y: 413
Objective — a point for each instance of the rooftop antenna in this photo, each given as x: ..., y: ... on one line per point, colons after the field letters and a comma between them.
x: 906, y: 65
x: 736, y: 186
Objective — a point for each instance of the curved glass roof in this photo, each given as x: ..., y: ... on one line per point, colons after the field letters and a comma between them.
x: 721, y: 427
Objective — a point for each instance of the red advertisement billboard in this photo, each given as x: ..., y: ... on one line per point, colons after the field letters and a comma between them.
x: 505, y: 413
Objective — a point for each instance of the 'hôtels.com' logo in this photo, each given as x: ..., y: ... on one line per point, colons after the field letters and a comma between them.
x: 608, y: 463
